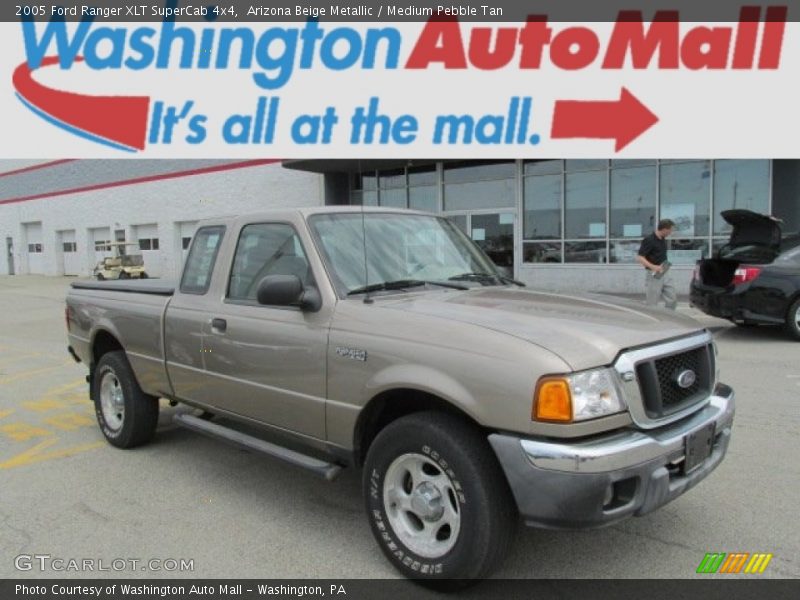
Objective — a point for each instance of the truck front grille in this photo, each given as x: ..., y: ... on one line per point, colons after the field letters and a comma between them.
x: 663, y: 392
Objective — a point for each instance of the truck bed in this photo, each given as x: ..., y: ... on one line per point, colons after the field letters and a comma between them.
x: 156, y: 287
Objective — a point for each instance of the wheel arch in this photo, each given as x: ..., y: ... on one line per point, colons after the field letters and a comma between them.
x: 390, y: 405
x: 103, y: 342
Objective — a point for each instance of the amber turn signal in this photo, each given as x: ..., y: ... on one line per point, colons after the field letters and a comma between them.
x: 552, y: 400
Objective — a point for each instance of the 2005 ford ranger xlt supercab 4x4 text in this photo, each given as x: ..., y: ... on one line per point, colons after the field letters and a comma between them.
x: 387, y: 340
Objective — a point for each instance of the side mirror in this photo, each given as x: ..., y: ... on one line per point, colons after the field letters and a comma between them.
x: 287, y: 290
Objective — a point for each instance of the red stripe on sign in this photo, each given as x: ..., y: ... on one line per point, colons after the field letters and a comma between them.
x: 150, y: 178
x: 45, y: 165
x: 121, y: 119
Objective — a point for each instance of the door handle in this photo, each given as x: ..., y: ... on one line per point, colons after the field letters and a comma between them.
x: 219, y: 325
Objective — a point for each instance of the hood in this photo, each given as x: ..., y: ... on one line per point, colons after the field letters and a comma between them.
x: 750, y: 228
x: 584, y: 331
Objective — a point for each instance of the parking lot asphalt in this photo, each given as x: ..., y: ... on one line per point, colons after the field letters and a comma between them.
x: 66, y: 493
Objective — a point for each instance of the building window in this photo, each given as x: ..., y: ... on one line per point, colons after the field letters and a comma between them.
x: 148, y: 243
x: 34, y: 248
x: 542, y: 208
x: 585, y: 205
x: 407, y: 187
x: 685, y: 197
x: 102, y: 245
x: 474, y: 185
x: 185, y: 241
x: 632, y: 210
x: 597, y: 211
x: 70, y: 247
x: 541, y: 252
x: 739, y: 184
x: 686, y: 251
x: 573, y: 166
x: 392, y: 188
x: 423, y: 189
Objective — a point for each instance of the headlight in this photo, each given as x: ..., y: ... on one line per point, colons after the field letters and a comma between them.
x: 577, y: 397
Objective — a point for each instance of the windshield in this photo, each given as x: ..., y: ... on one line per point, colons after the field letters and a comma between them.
x: 132, y: 260
x: 401, y: 248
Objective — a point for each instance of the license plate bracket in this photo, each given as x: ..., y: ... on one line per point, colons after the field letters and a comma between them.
x: 697, y: 447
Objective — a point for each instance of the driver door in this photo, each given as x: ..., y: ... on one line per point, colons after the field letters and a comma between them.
x: 267, y: 362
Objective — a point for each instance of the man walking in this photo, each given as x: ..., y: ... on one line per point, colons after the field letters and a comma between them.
x: 653, y: 257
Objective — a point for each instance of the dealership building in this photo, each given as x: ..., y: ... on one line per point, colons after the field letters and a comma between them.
x: 567, y: 225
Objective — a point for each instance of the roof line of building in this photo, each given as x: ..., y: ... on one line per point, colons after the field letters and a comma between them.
x: 44, y: 165
x: 150, y: 178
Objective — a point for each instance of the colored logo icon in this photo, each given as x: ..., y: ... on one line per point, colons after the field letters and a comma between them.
x: 734, y: 562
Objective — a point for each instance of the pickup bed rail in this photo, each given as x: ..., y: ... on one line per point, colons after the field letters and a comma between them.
x: 155, y: 287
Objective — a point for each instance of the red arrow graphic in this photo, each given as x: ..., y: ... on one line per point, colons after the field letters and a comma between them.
x: 117, y: 119
x: 623, y: 120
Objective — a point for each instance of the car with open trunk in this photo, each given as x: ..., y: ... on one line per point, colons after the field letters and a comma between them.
x: 754, y: 279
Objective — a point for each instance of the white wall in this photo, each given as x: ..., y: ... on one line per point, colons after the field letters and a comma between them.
x: 164, y: 203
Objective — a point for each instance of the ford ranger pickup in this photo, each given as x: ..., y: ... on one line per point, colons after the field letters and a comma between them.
x: 387, y: 341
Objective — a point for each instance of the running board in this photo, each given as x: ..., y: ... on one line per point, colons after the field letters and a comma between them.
x: 324, y: 469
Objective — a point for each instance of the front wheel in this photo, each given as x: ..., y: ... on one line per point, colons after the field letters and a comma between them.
x: 437, y: 501
x: 126, y: 415
x: 793, y: 320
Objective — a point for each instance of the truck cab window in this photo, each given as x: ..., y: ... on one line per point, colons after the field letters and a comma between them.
x: 200, y: 263
x: 266, y: 249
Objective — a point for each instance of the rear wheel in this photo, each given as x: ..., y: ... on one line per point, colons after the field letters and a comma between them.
x: 124, y: 275
x: 100, y: 277
x: 437, y: 500
x: 126, y: 415
x: 793, y: 320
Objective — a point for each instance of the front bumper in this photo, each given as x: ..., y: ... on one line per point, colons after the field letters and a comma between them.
x: 572, y: 485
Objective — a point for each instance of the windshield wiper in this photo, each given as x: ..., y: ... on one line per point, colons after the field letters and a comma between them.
x: 482, y: 277
x: 401, y: 284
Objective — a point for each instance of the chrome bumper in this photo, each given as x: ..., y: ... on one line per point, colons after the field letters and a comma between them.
x: 602, y: 480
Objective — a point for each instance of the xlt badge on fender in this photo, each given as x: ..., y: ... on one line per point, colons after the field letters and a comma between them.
x: 353, y: 353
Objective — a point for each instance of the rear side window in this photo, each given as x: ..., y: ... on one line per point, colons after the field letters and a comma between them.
x: 200, y: 263
x: 266, y: 249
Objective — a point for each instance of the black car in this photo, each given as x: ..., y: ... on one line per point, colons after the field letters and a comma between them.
x: 755, y: 277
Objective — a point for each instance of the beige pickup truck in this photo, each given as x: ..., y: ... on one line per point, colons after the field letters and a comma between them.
x: 387, y: 341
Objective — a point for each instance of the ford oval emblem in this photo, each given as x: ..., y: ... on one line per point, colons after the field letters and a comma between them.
x: 686, y: 378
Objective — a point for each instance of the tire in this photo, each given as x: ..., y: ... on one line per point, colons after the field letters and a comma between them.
x: 100, y: 277
x: 143, y: 275
x: 124, y: 275
x: 126, y: 415
x: 459, y: 498
x: 793, y: 320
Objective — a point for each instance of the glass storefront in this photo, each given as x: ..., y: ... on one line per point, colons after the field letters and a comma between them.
x: 577, y: 211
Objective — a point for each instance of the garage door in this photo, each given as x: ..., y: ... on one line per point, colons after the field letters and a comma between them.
x: 99, y: 238
x: 150, y: 247
x: 35, y: 250
x: 69, y: 252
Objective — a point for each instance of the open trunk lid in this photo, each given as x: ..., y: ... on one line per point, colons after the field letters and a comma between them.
x: 752, y: 229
